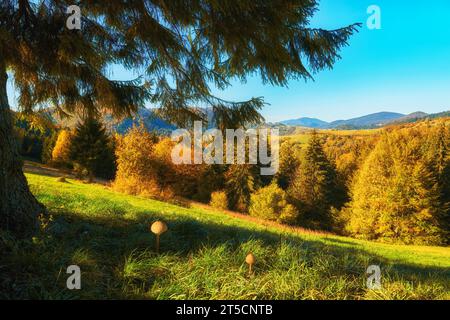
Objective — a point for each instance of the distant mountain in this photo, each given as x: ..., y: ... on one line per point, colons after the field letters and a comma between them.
x: 306, y: 122
x: 373, y: 120
x: 146, y: 116
x: 367, y: 121
x: 370, y: 120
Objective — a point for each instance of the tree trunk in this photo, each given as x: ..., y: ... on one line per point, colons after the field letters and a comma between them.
x: 19, y: 209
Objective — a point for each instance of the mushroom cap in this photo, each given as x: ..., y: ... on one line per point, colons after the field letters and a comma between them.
x: 158, y: 227
x: 250, y: 258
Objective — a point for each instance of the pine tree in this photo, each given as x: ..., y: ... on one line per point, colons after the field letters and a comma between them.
x: 314, y: 190
x: 194, y: 43
x: 241, y: 181
x: 48, y: 146
x: 91, y: 149
x: 289, y: 161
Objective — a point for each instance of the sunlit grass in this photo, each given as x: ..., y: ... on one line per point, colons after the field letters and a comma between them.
x: 202, y: 255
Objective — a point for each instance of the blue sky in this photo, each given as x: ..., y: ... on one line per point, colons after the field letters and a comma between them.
x: 404, y: 67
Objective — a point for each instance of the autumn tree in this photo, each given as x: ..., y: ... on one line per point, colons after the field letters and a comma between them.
x: 180, y: 180
x: 180, y: 47
x: 440, y: 160
x: 211, y: 179
x: 396, y: 196
x: 61, y: 150
x: 135, y: 173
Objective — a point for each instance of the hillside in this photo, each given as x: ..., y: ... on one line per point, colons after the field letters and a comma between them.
x: 420, y: 116
x: 411, y: 117
x: 202, y: 254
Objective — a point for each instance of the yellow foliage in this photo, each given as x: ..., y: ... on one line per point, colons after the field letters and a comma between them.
x: 134, y: 168
x: 396, y: 196
x: 271, y: 203
x: 219, y: 200
x: 61, y: 151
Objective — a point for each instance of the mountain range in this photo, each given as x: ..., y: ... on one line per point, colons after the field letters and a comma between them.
x: 153, y: 123
x: 373, y: 120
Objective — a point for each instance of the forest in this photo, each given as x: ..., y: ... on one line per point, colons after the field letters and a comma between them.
x: 389, y: 185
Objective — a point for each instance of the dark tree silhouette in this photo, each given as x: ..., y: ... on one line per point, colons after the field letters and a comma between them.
x: 91, y: 148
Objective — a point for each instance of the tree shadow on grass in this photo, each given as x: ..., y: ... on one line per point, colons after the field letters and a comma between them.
x: 114, y: 235
x: 101, y: 245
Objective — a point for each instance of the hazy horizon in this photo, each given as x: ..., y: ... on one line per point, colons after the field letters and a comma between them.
x: 358, y: 116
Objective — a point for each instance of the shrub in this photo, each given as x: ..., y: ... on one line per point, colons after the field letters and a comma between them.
x: 219, y: 200
x: 289, y: 215
x: 271, y: 203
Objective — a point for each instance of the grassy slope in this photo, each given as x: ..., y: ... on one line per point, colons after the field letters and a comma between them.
x: 203, y: 253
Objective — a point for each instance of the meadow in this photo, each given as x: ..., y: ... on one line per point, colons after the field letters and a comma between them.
x: 202, y: 254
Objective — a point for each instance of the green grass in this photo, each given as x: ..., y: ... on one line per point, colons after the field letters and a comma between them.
x: 202, y: 255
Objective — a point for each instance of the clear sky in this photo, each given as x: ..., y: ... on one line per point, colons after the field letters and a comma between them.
x: 404, y: 67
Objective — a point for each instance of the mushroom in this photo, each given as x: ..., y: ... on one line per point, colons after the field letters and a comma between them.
x: 250, y: 260
x: 158, y: 228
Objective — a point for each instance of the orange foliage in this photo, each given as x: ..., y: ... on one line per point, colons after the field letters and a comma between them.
x: 61, y: 151
x: 134, y: 169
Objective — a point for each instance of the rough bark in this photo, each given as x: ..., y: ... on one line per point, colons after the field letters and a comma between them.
x: 19, y: 209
